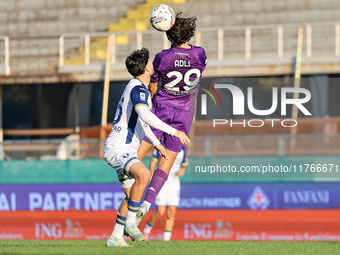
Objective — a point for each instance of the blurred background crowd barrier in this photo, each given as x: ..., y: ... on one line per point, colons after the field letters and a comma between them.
x: 314, y: 137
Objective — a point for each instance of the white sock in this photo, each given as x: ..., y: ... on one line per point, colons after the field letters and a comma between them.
x: 147, y: 204
x: 133, y: 207
x: 131, y: 216
x: 167, y: 235
x: 118, y: 231
x: 148, y: 228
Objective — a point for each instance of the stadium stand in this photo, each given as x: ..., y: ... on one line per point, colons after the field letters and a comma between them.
x: 34, y: 27
x: 135, y: 20
x: 51, y: 18
x: 34, y: 31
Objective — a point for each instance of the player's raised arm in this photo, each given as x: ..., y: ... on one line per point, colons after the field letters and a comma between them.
x: 151, y: 119
x: 155, y: 142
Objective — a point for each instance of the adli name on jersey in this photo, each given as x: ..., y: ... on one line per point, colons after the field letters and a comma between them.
x: 182, y: 63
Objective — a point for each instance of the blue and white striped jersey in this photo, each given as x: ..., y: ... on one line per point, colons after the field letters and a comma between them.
x: 127, y: 127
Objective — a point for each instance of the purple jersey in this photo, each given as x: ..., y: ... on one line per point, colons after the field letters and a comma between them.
x: 180, y: 70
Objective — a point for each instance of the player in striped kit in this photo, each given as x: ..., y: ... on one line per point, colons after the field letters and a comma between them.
x: 129, y: 127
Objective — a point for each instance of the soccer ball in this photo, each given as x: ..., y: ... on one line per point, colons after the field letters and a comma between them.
x: 162, y: 17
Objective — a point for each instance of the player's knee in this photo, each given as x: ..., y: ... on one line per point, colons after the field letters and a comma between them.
x: 160, y: 212
x: 144, y: 177
x: 171, y: 211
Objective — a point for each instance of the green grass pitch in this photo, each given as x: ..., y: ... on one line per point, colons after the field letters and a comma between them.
x: 165, y: 248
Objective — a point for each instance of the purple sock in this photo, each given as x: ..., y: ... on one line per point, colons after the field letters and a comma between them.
x: 158, y: 179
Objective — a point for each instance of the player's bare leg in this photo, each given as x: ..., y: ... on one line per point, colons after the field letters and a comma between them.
x: 123, y: 206
x: 169, y: 222
x: 152, y: 220
x: 158, y: 180
x: 143, y: 149
x: 142, y: 176
x: 116, y: 238
x: 157, y: 214
x: 166, y: 164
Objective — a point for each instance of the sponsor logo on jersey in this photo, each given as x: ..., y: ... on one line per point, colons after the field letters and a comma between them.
x: 116, y: 129
x: 180, y: 53
x: 152, y: 188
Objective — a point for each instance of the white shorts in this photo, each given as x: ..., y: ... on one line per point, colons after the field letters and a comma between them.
x: 169, y: 194
x: 121, y: 158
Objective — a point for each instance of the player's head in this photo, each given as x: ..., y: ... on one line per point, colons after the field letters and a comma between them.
x: 139, y: 63
x: 182, y: 31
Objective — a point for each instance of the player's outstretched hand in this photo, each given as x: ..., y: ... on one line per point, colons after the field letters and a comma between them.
x: 183, y: 137
x: 161, y: 150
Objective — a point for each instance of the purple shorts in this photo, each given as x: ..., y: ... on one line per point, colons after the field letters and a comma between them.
x: 175, y: 117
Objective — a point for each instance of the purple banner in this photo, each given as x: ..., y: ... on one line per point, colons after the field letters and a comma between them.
x: 58, y: 197
x: 94, y: 197
x: 261, y: 196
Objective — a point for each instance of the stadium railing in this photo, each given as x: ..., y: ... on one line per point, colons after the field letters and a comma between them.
x: 313, y: 136
x: 74, y: 148
x: 257, y: 43
x: 4, y: 53
x: 225, y: 46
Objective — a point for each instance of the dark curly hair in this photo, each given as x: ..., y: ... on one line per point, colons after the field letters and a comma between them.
x: 182, y: 31
x: 137, y: 61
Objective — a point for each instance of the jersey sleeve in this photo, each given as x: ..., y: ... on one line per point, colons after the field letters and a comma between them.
x: 204, y: 59
x: 155, y: 155
x: 156, y: 67
x: 139, y: 96
x: 185, y: 157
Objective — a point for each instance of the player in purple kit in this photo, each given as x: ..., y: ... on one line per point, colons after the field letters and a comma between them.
x: 180, y: 69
